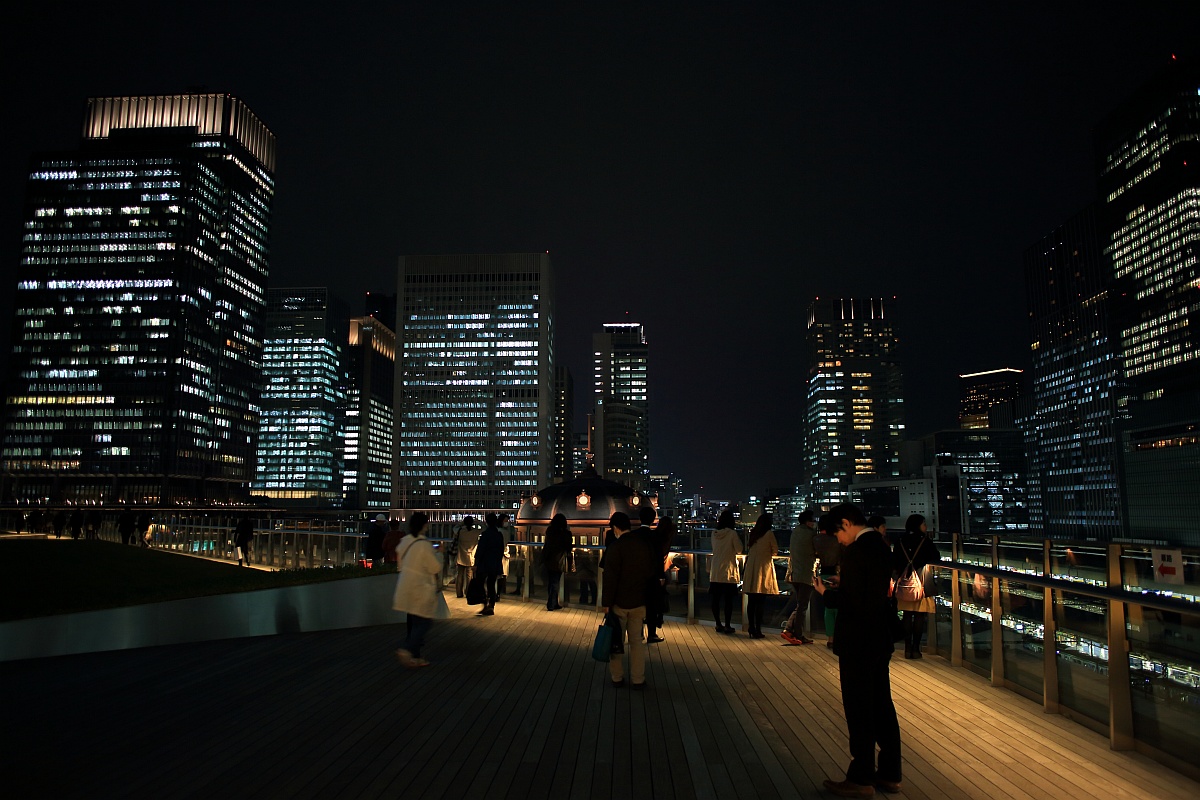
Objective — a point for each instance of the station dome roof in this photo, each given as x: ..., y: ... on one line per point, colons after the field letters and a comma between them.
x: 587, y: 500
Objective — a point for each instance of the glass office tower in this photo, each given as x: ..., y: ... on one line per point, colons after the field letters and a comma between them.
x: 621, y: 358
x: 979, y: 391
x: 564, y: 424
x: 1149, y: 182
x: 475, y: 380
x: 370, y: 415
x: 1069, y: 432
x: 304, y: 393
x: 139, y: 306
x: 854, y: 409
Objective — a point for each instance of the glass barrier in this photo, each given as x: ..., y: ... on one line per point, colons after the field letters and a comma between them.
x: 1079, y: 563
x: 1023, y: 628
x: 974, y: 550
x: 1178, y: 574
x: 1164, y: 677
x: 1081, y: 639
x: 1024, y: 556
x: 941, y: 632
x: 975, y: 619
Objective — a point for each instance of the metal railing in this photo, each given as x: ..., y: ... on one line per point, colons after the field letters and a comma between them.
x: 1090, y: 631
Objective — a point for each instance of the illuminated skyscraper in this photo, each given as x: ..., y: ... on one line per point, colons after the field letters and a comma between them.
x: 475, y: 380
x: 1149, y: 183
x: 979, y: 391
x: 621, y: 359
x: 1069, y: 434
x: 139, y: 305
x: 564, y: 412
x: 854, y: 409
x: 304, y: 394
x: 370, y: 414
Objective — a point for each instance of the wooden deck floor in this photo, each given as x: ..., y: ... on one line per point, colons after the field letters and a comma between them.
x: 514, y: 708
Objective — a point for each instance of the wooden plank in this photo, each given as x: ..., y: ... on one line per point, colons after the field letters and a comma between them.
x: 513, y: 707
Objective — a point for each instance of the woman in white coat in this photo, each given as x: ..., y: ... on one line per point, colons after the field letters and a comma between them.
x: 725, y: 576
x: 417, y: 590
x: 758, y: 579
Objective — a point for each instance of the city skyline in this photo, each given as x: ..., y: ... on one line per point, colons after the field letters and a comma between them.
x: 733, y: 165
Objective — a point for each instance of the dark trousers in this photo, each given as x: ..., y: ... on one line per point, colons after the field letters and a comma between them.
x: 417, y: 628
x: 553, y: 578
x: 722, y: 595
x: 797, y: 622
x: 587, y: 592
x: 489, y: 583
x: 755, y: 606
x: 914, y: 630
x: 870, y: 718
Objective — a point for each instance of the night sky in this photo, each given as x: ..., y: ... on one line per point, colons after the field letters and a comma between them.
x: 705, y: 169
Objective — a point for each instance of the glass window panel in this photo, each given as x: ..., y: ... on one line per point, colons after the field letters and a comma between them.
x: 1023, y: 627
x: 1081, y: 638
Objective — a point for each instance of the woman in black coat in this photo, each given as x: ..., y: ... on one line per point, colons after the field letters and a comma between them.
x: 913, y: 560
x: 557, y: 557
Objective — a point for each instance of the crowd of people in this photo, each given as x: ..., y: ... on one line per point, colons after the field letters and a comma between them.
x: 844, y: 557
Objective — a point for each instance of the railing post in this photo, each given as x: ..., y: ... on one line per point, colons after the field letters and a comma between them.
x: 997, y: 624
x: 527, y: 570
x: 1120, y: 703
x: 1049, y: 640
x: 956, y: 639
x: 691, y: 588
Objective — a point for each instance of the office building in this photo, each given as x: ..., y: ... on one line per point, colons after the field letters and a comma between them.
x: 937, y: 495
x: 370, y: 406
x: 620, y: 384
x: 979, y: 391
x: 1069, y: 434
x: 1148, y: 153
x: 854, y: 406
x: 564, y: 413
x: 475, y: 380
x: 140, y: 306
x: 300, y: 441
x: 993, y: 475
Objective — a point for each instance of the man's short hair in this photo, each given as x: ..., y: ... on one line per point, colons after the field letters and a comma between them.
x: 806, y: 516
x: 647, y: 515
x: 874, y: 521
x: 847, y: 512
x: 619, y: 520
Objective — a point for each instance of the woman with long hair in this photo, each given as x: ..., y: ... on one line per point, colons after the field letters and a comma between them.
x: 557, y: 558
x: 417, y: 589
x: 913, y: 561
x: 759, y: 578
x: 724, y: 575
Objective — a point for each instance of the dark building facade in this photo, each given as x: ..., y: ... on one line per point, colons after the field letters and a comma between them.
x: 622, y: 413
x: 370, y: 406
x: 854, y: 407
x: 1069, y: 424
x: 140, y: 304
x: 300, y: 444
x: 1148, y: 167
x: 979, y: 391
x: 564, y: 413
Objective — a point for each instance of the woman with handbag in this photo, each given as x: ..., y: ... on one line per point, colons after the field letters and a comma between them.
x: 557, y: 557
x: 417, y: 590
x: 912, y: 562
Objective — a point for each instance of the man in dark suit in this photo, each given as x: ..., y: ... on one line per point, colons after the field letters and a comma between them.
x: 862, y: 640
x: 630, y: 564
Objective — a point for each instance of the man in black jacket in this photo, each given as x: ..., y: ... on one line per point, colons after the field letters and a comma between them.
x: 862, y: 640
x: 629, y: 568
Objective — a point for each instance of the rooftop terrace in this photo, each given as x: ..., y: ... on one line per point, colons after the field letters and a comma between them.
x: 513, y: 707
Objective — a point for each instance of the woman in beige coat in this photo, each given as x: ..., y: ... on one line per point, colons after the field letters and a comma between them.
x: 417, y: 590
x: 759, y: 580
x: 724, y: 575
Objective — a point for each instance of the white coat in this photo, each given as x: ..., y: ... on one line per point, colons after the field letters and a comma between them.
x: 417, y: 586
x: 726, y: 548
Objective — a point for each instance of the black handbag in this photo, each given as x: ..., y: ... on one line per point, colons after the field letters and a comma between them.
x: 476, y: 594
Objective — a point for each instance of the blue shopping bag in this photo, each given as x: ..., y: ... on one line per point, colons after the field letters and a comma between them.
x: 602, y: 649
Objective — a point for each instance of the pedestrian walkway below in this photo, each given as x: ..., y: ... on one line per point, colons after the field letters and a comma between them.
x: 513, y: 707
